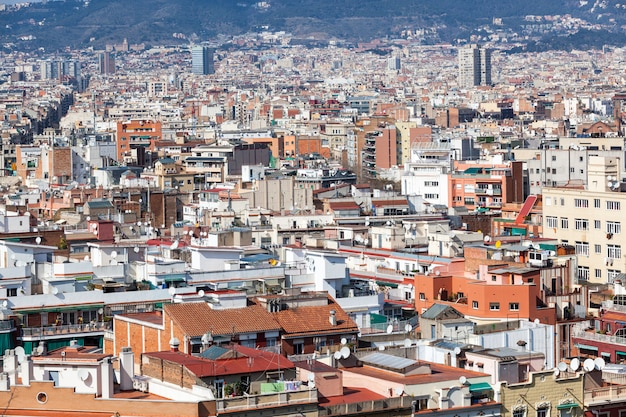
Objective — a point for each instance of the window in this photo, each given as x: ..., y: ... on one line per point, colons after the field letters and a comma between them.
x: 554, y: 157
x: 431, y: 183
x: 543, y: 412
x: 581, y: 203
x: 582, y: 224
x: 520, y: 412
x: 597, y: 224
x: 552, y: 221
x: 422, y: 296
x: 598, y: 273
x: 494, y: 306
x: 596, y: 203
x: 564, y: 223
x: 614, y: 251
x: 219, y: 388
x: 514, y: 306
x: 612, y: 205
x: 298, y: 348
x: 611, y: 275
x: 431, y: 196
x: 583, y: 273
x: 613, y: 227
x: 11, y: 292
x: 475, y: 305
x: 582, y: 248
x: 597, y: 248
x: 494, y: 278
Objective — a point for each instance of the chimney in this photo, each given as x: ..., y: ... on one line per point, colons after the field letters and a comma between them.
x: 174, y: 344
x: 107, y: 378
x: 127, y: 370
x: 27, y: 371
x: 5, y: 383
x: 332, y: 319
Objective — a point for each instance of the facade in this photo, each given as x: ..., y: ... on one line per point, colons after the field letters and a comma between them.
x: 136, y: 134
x: 202, y: 60
x: 106, y: 63
x: 588, y: 218
x: 474, y: 66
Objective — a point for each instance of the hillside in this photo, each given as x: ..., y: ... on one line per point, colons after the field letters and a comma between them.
x: 58, y: 24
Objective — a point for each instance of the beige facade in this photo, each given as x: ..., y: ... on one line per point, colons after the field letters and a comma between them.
x: 589, y: 220
x: 544, y: 394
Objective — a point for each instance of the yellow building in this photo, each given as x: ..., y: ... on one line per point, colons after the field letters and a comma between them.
x: 544, y: 395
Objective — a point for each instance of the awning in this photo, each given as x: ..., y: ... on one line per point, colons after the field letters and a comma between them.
x: 566, y: 406
x: 586, y: 347
x: 174, y: 278
x: 387, y: 284
x: 619, y: 352
x: 480, y: 386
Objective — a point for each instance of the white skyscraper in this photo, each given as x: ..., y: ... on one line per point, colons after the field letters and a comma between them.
x: 474, y: 66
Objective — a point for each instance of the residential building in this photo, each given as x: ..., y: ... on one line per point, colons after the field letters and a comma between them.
x: 474, y: 66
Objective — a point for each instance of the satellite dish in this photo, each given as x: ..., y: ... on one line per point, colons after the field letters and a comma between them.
x: 562, y: 366
x: 114, y: 254
x: 55, y: 290
x: 599, y: 363
x: 574, y: 364
x: 390, y: 329
x: 462, y: 380
x: 408, y: 328
x: 5, y: 303
x: 38, y: 240
x: 407, y: 343
x: 398, y: 391
x: 536, y: 321
x: 457, y: 350
x: 589, y: 365
x: 344, y: 340
x: 381, y: 348
x: 174, y: 245
x: 86, y: 258
x: 39, y: 350
x: 20, y: 353
x: 136, y: 249
x: 201, y: 293
x: 337, y: 355
x: 311, y: 378
x: 556, y: 372
x: 345, y: 352
x: 487, y: 239
x: 83, y: 374
x: 171, y: 290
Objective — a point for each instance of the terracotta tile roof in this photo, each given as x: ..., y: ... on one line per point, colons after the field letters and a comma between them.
x: 344, y: 205
x: 350, y: 395
x: 393, y: 203
x: 196, y: 319
x: 314, y: 320
x: 440, y: 373
x: 261, y: 362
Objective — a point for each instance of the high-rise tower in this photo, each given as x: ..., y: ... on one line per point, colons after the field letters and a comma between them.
x: 474, y: 66
x: 202, y: 60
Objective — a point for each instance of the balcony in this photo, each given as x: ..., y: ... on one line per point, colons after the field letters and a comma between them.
x: 280, y: 399
x: 30, y: 334
x: 599, y: 337
x: 605, y: 395
x: 365, y: 407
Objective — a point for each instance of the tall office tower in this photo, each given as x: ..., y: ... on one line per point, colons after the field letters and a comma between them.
x: 71, y: 69
x: 393, y: 63
x: 202, y: 60
x: 106, y: 61
x: 474, y: 66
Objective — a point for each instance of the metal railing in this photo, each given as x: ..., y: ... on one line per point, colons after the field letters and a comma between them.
x: 605, y: 394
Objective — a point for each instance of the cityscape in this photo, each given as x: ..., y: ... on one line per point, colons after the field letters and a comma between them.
x: 268, y: 223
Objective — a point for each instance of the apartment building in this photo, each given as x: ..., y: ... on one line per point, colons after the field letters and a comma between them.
x: 588, y: 218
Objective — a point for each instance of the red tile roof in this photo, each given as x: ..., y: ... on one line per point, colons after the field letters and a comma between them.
x: 350, y: 395
x: 384, y: 203
x: 314, y: 320
x: 344, y: 205
x: 261, y: 362
x: 196, y: 319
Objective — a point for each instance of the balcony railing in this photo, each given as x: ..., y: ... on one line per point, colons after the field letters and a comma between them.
x: 605, y: 395
x: 604, y: 338
x: 367, y: 406
x: 38, y: 332
x: 253, y: 402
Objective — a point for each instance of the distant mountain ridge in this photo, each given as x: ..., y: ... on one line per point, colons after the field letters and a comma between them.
x: 55, y: 25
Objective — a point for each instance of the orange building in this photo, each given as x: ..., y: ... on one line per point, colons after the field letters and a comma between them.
x: 485, y: 185
x: 506, y: 293
x: 137, y: 134
x: 272, y: 144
